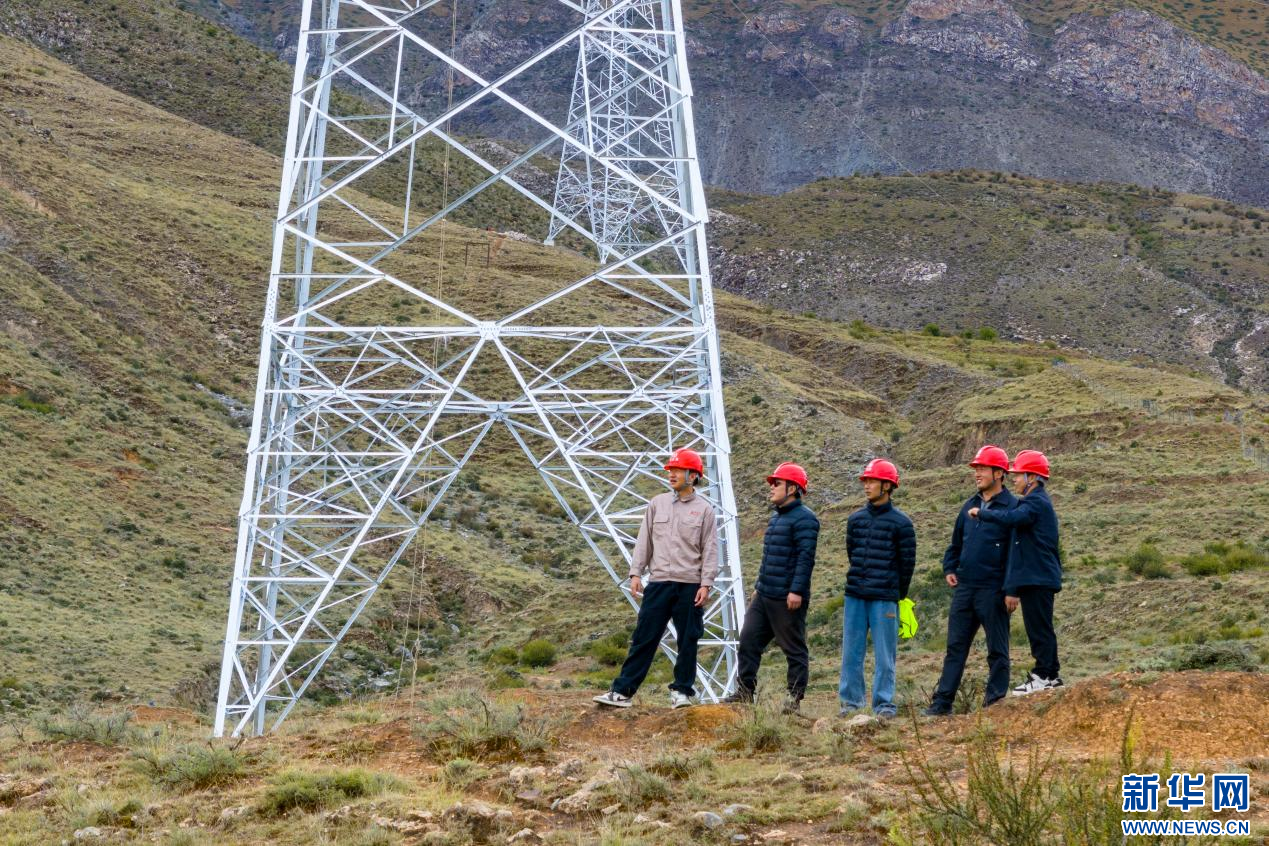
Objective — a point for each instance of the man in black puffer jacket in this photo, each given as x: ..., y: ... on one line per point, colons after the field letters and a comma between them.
x: 783, y: 590
x: 881, y: 545
x: 974, y: 567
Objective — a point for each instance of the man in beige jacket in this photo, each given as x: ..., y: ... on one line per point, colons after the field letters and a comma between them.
x: 678, y: 549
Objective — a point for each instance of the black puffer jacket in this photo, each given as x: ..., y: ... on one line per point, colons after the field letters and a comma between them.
x: 788, y: 552
x: 881, y: 544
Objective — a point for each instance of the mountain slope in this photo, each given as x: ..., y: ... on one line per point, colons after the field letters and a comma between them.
x: 133, y: 251
x: 1152, y: 93
x: 1120, y: 271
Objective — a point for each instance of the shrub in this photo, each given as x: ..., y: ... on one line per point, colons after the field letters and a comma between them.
x: 762, y: 730
x: 1147, y: 561
x: 80, y: 723
x: 637, y: 787
x: 466, y: 725
x: 609, y: 651
x: 504, y: 656
x: 680, y: 765
x: 860, y: 330
x: 461, y: 772
x: 1215, y: 656
x: 1001, y: 803
x: 538, y: 653
x: 931, y: 329
x: 106, y: 812
x: 986, y: 333
x: 30, y: 401
x: 1040, y: 803
x: 314, y: 791
x: 1221, y: 558
x: 192, y: 767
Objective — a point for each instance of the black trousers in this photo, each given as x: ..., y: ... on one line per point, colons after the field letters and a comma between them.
x: 769, y: 619
x: 973, y: 607
x: 663, y: 602
x: 1037, y: 615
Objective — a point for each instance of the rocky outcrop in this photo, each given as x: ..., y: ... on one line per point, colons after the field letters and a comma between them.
x: 793, y: 44
x: 1136, y: 58
x: 979, y: 30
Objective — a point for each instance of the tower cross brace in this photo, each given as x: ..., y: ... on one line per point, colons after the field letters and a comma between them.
x: 386, y: 363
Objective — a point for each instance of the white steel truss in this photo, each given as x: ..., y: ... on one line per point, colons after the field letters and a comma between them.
x: 380, y: 375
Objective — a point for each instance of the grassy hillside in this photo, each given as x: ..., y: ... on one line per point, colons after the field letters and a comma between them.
x: 179, y: 62
x: 1119, y: 270
x: 133, y: 285
x: 133, y: 250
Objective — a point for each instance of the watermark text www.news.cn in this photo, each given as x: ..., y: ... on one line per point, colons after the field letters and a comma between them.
x: 1188, y: 792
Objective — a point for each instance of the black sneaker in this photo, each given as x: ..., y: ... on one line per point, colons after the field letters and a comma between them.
x: 740, y: 697
x: 792, y: 705
x: 935, y: 711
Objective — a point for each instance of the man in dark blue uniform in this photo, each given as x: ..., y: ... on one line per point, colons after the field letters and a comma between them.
x: 1034, y: 574
x: 974, y: 566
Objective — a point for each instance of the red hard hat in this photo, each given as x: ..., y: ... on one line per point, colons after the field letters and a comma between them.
x: 790, y: 472
x: 879, y: 468
x: 686, y: 459
x: 991, y: 456
x: 1030, y: 461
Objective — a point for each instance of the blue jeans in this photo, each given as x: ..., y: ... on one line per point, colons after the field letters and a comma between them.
x: 859, y: 616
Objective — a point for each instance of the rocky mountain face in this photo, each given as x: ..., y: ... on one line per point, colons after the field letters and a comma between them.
x: 789, y: 93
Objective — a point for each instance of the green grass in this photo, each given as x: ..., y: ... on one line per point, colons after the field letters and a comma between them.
x: 302, y: 791
x: 124, y: 294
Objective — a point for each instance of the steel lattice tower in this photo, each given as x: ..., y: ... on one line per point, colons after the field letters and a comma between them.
x: 382, y: 372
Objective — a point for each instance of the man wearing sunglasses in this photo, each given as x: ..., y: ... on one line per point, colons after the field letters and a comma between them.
x: 777, y: 610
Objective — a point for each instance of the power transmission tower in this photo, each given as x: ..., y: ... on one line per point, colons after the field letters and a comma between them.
x: 384, y: 365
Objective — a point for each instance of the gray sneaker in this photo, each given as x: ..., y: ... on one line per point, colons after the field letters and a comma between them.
x: 613, y: 699
x: 680, y: 700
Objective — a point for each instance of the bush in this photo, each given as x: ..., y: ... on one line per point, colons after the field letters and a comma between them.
x: 638, y: 787
x: 538, y: 653
x: 461, y: 772
x: 680, y: 765
x: 1220, y: 558
x: 314, y: 791
x: 192, y: 767
x: 466, y: 725
x: 1147, y: 561
x: 503, y: 656
x: 107, y: 812
x: 931, y: 329
x: 610, y: 651
x: 986, y: 333
x: 764, y: 729
x: 1042, y: 802
x: 80, y: 723
x: 860, y: 330
x: 1001, y: 804
x: 1216, y: 656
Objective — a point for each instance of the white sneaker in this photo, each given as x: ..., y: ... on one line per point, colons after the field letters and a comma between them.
x: 613, y: 699
x: 1035, y: 684
x: 680, y: 700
